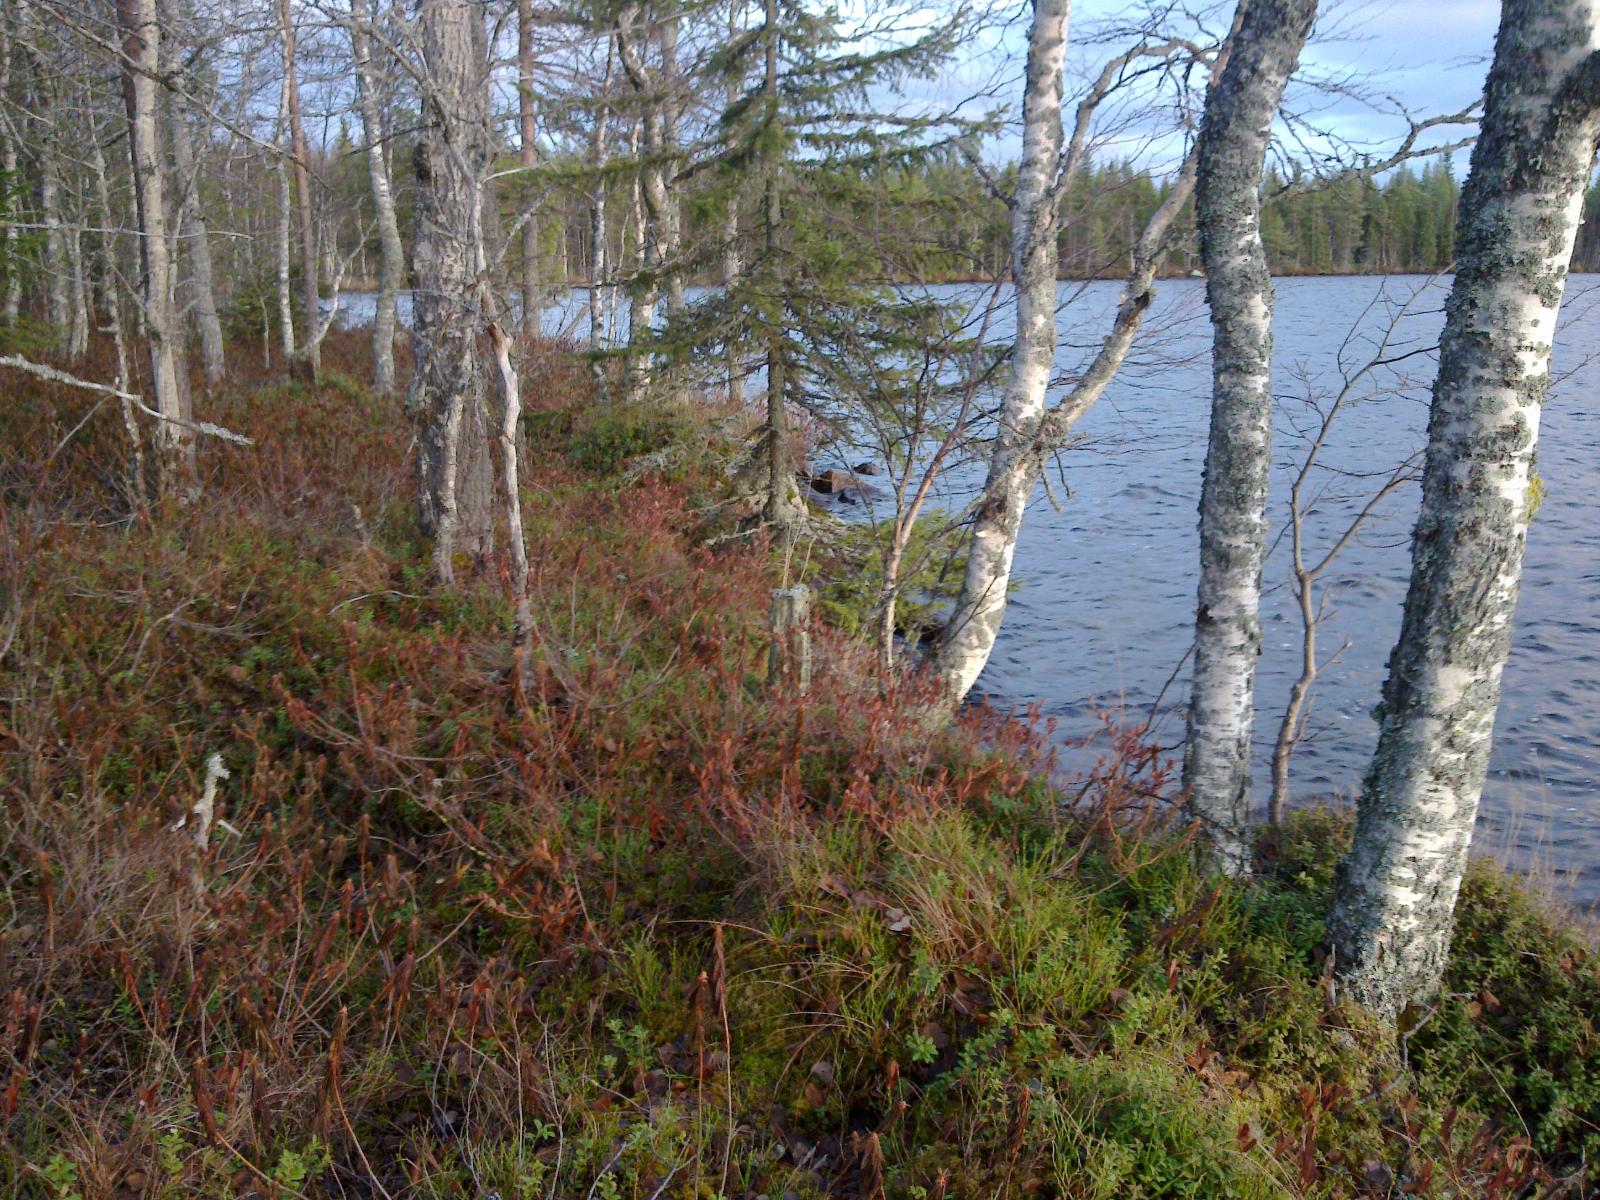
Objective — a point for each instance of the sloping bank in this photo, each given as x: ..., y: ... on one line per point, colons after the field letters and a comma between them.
x: 648, y: 930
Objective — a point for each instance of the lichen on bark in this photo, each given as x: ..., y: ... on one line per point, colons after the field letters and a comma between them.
x: 1233, y: 501
x: 1393, y: 909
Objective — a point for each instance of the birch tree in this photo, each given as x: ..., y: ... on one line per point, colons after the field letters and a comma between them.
x: 391, y: 260
x: 283, y: 236
x: 658, y: 228
x: 1028, y: 431
x: 597, y: 221
x: 11, y: 302
x: 1394, y: 901
x: 195, y: 233
x: 528, y: 157
x: 980, y: 607
x: 455, y: 483
x: 1233, y: 529
x: 310, y: 358
x: 141, y: 49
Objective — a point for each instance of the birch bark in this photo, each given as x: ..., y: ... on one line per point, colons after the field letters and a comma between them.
x: 597, y: 225
x: 1016, y: 459
x: 11, y: 304
x: 197, y: 242
x: 1233, y: 499
x: 77, y: 275
x: 975, y: 622
x: 391, y: 254
x: 455, y: 479
x: 311, y: 357
x: 510, y: 409
x: 532, y: 291
x: 1394, y: 901
x: 283, y: 239
x: 658, y: 228
x: 672, y: 216
x: 142, y: 48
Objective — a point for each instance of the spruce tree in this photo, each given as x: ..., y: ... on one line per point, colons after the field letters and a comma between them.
x: 799, y: 141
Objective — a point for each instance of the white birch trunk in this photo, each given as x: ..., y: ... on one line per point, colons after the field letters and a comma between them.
x: 1233, y: 499
x: 142, y: 47
x: 197, y: 242
x: 11, y: 304
x: 531, y: 289
x: 78, y: 274
x: 310, y: 360
x: 639, y: 255
x: 975, y: 621
x: 55, y: 255
x: 281, y: 244
x: 455, y: 481
x: 113, y: 304
x: 391, y: 260
x: 1394, y: 902
x: 597, y: 226
x: 1016, y: 461
x: 659, y: 226
x: 509, y: 394
x: 672, y: 209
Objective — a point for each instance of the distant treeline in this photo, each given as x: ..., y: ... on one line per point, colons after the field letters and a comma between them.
x: 932, y: 220
x: 942, y: 220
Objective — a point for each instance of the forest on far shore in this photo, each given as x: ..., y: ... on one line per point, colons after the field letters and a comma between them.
x: 936, y: 221
x: 940, y: 221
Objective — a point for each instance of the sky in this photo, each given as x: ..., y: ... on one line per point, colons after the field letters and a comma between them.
x: 1432, y: 55
x: 1428, y: 56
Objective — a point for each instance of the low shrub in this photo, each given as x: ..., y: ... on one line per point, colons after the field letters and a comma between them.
x: 643, y: 929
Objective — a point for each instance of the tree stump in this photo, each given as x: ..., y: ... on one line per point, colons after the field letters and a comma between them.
x: 789, y: 660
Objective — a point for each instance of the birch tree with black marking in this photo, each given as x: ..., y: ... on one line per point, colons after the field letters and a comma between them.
x: 455, y: 482
x: 1394, y: 902
x: 195, y: 229
x: 529, y: 289
x: 975, y: 623
x: 1029, y: 431
x: 141, y: 49
x: 310, y: 358
x: 1233, y: 498
x: 391, y: 254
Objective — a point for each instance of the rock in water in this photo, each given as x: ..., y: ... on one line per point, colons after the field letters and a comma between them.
x: 833, y: 481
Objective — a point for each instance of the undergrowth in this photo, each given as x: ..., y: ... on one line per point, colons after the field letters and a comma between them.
x: 644, y: 929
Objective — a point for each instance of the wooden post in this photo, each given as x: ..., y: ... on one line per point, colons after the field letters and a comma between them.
x: 789, y: 660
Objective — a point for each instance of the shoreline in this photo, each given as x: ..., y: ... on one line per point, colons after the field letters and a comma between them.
x: 365, y: 288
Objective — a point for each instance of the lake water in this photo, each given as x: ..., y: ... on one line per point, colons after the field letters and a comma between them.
x: 1104, y: 616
